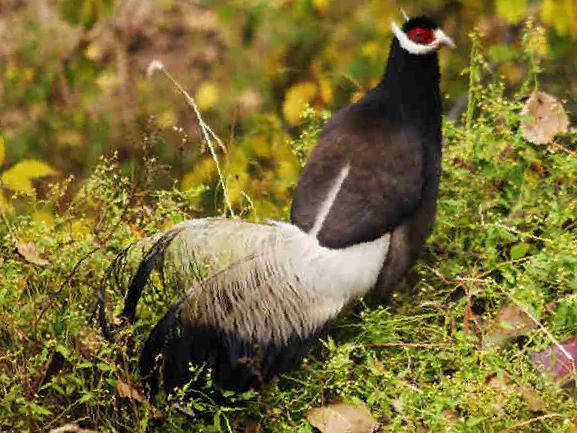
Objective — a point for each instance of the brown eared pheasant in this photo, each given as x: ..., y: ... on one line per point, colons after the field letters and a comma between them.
x: 254, y: 298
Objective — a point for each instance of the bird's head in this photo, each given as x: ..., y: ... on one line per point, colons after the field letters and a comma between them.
x: 421, y: 35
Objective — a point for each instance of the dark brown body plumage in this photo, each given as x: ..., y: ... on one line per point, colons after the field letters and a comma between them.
x: 392, y: 140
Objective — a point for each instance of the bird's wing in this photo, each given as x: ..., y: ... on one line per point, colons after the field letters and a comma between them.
x: 383, y: 185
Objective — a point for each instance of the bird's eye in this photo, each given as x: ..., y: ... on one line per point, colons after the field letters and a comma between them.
x: 421, y: 35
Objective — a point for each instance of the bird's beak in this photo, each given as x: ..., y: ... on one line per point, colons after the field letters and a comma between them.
x: 442, y: 40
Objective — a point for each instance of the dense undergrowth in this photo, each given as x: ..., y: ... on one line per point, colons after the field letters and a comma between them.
x: 506, y: 233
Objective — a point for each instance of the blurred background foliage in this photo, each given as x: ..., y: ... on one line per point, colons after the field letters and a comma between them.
x: 73, y: 83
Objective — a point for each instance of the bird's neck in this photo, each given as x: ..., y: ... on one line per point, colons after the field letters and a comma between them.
x: 411, y: 85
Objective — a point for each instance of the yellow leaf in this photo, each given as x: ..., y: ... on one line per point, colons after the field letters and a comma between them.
x: 166, y: 119
x: 326, y: 91
x: 261, y: 146
x: 19, y: 177
x: 43, y: 217
x: 512, y: 10
x: 96, y: 50
x: 30, y: 252
x: 296, y: 100
x: 11, y: 71
x: 82, y: 226
x: 322, y: 5
x: 167, y: 224
x: 202, y: 172
x: 561, y: 15
x: 237, y: 185
x: 2, y: 150
x: 371, y: 50
x: 108, y: 81
x: 207, y: 95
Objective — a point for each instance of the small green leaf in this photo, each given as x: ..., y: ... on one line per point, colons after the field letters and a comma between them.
x: 507, y: 325
x: 519, y: 251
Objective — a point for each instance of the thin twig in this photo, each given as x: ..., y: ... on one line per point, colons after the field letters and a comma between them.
x: 520, y: 233
x: 530, y: 421
x: 403, y: 344
x: 250, y: 202
x: 563, y: 149
x: 206, y: 130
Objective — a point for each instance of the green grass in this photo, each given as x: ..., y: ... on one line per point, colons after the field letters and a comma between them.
x: 506, y: 232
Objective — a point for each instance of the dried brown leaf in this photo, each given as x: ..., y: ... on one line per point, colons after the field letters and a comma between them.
x: 398, y: 406
x: 500, y: 383
x: 558, y: 360
x: 451, y: 416
x: 505, y: 385
x: 71, y: 428
x: 547, y: 118
x: 125, y: 390
x: 247, y: 426
x: 30, y: 252
x: 534, y: 402
x: 342, y: 418
x: 510, y: 322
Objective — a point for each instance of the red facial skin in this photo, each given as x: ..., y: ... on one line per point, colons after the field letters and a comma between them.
x: 421, y: 36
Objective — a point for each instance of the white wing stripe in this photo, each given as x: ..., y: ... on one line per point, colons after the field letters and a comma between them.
x: 327, y: 204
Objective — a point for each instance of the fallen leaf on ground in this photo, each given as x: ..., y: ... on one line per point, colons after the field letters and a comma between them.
x: 127, y: 391
x: 533, y: 400
x: 342, y: 418
x: 30, y: 252
x: 398, y: 406
x: 555, y: 362
x: 451, y: 416
x: 547, y: 118
x: 510, y: 322
x: 71, y: 428
x: 504, y: 384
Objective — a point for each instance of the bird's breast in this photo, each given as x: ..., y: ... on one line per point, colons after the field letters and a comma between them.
x: 342, y: 274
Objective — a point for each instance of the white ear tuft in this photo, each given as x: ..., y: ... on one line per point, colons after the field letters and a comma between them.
x: 419, y: 49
